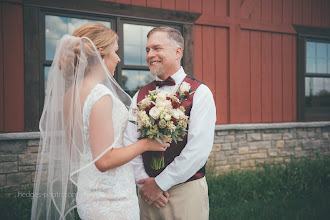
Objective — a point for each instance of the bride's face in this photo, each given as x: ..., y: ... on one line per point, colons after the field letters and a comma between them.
x: 112, y: 59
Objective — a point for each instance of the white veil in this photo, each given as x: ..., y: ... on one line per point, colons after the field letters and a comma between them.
x: 76, y: 69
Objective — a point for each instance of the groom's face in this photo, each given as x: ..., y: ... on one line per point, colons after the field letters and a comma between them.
x: 161, y: 55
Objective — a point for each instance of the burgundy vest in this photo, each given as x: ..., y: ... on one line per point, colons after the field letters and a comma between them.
x: 175, y: 149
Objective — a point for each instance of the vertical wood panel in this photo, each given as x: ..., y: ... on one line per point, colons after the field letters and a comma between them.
x: 277, y: 77
x: 287, y: 12
x: 221, y: 71
x: 325, y: 13
x: 2, y: 116
x: 266, y: 11
x: 307, y: 12
x: 13, y: 68
x: 194, y: 6
x: 277, y: 11
x: 256, y: 14
x: 234, y: 8
x: 297, y: 12
x: 294, y: 78
x: 139, y: 2
x: 124, y: 1
x: 198, y: 53
x: 255, y: 77
x: 316, y: 12
x: 208, y: 7
x: 168, y: 4
x: 266, y: 86
x: 182, y: 5
x: 287, y: 78
x: 208, y: 58
x: 221, y: 8
x: 240, y: 80
x: 154, y: 3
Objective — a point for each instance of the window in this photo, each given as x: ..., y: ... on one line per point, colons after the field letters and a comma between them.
x: 47, y: 21
x: 313, y: 76
x: 55, y: 27
x: 135, y: 72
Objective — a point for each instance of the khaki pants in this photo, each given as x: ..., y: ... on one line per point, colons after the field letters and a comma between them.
x: 187, y: 201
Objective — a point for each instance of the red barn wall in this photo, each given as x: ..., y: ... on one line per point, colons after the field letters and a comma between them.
x: 11, y: 67
x: 244, y: 50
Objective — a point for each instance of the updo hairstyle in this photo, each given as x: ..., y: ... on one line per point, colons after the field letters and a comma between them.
x: 100, y: 35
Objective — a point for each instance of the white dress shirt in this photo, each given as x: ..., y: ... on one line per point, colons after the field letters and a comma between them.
x: 200, y: 138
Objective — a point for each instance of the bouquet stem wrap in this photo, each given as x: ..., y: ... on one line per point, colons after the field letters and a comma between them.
x: 158, y: 160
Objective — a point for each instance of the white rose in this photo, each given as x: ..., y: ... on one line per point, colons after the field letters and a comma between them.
x: 176, y: 114
x: 154, y: 112
x: 167, y: 117
x: 185, y: 87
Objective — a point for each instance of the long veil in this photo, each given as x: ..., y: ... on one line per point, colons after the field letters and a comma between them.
x: 76, y: 69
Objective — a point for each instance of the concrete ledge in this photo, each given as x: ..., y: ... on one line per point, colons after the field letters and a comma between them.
x: 272, y: 125
x: 20, y: 136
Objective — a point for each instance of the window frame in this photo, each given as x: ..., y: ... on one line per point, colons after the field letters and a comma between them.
x: 311, y: 34
x: 34, y: 39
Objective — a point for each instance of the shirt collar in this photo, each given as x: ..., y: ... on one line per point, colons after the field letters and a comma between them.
x: 178, y: 76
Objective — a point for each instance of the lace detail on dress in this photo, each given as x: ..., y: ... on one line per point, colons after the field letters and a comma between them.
x: 110, y: 194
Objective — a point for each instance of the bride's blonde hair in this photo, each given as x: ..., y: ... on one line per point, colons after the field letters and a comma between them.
x: 102, y: 37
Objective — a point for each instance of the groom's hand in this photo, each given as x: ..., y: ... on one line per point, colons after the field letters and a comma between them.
x: 150, y: 191
x: 161, y: 202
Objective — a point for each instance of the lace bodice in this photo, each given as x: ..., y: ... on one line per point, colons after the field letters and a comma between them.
x: 110, y: 194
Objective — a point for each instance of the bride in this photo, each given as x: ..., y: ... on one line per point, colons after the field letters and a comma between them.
x: 82, y: 162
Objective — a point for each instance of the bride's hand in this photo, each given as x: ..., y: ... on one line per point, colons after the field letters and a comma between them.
x: 154, y: 145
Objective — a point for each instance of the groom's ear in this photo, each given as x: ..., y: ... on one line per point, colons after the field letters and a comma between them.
x: 178, y: 52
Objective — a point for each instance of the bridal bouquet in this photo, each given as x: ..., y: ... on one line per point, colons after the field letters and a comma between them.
x: 159, y: 115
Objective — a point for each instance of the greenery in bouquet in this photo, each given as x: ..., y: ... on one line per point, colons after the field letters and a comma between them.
x: 160, y: 114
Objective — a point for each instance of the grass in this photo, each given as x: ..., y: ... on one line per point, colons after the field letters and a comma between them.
x: 294, y: 190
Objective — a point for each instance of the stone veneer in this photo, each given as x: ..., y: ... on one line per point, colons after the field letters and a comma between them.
x: 242, y: 146
x: 239, y: 146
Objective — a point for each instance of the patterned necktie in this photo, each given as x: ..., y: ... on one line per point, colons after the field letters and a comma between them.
x: 167, y: 82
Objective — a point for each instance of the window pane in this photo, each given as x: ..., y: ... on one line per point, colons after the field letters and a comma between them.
x: 57, y: 26
x: 321, y: 65
x: 317, y: 92
x: 135, y: 40
x: 311, y: 49
x: 310, y: 65
x: 133, y: 80
x: 317, y: 56
x: 321, y: 50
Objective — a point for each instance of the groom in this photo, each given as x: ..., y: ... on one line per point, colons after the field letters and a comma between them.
x: 178, y: 191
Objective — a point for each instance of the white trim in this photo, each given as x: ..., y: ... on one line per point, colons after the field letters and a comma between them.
x: 272, y: 125
x: 36, y: 135
x: 20, y: 136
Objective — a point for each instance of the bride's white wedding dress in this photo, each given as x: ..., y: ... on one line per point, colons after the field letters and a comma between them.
x: 110, y: 194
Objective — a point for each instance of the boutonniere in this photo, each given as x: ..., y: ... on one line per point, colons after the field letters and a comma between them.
x: 184, y: 91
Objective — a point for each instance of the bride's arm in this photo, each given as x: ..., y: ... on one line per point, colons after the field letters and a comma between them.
x: 102, y: 137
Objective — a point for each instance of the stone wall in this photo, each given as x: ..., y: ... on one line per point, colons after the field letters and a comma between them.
x: 247, y: 145
x: 238, y: 146
x: 18, y: 158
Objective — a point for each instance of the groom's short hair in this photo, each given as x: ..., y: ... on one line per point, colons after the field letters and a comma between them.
x: 173, y: 34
